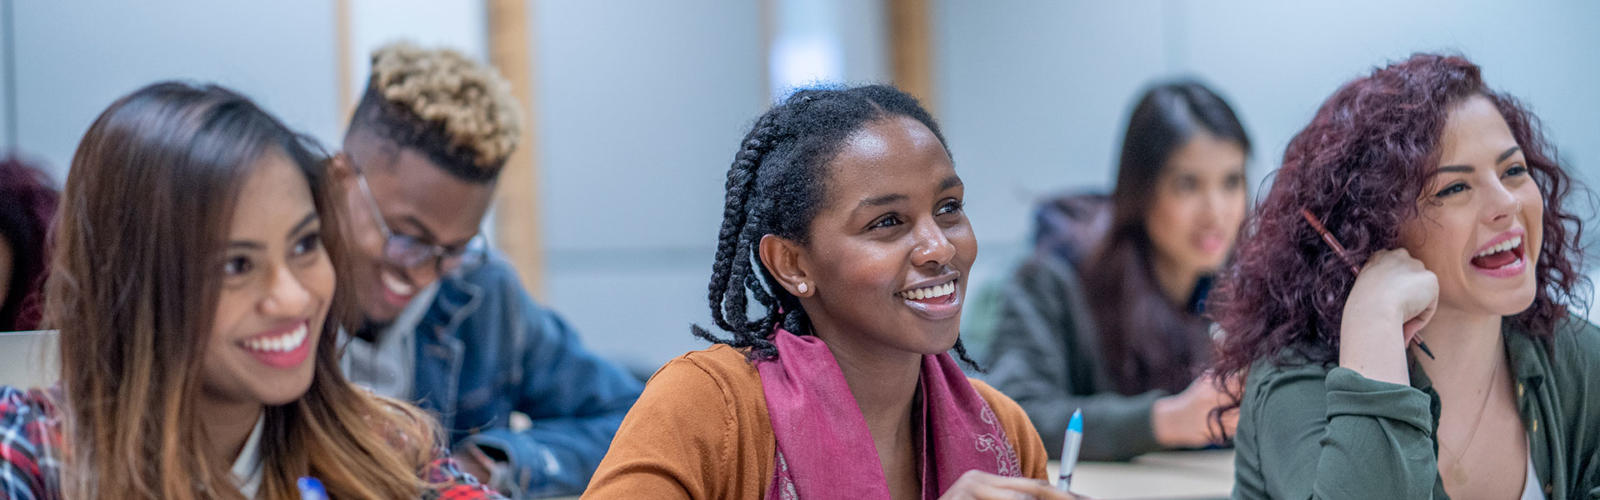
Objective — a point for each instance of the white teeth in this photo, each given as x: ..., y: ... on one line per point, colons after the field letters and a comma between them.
x: 282, y: 343
x: 930, y: 292
x: 395, y: 284
x: 1503, y: 246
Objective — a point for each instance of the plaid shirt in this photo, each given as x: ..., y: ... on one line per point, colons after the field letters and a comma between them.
x: 30, y: 454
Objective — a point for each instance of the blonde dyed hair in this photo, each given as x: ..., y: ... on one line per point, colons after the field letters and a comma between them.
x: 465, y: 101
x: 137, y: 279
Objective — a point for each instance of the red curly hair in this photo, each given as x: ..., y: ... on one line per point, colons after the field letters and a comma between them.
x: 1361, y: 165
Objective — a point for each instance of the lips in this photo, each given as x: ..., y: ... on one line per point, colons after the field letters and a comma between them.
x: 937, y: 300
x: 395, y: 289
x: 1502, y: 257
x: 284, y: 348
x: 1210, y: 243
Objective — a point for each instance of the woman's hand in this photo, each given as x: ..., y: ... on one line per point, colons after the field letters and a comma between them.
x: 979, y: 485
x: 1392, y: 299
x: 1183, y: 420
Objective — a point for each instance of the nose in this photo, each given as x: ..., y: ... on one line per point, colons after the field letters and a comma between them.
x: 932, y: 246
x: 1502, y: 205
x: 1210, y: 206
x: 286, y: 296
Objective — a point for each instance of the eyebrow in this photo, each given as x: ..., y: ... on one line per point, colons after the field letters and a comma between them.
x: 878, y: 201
x: 255, y: 245
x: 1468, y: 168
x: 1513, y: 150
x: 429, y: 235
x: 950, y: 182
x: 304, y: 221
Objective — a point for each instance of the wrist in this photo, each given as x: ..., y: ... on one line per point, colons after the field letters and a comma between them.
x: 1162, y: 424
x: 1374, y: 346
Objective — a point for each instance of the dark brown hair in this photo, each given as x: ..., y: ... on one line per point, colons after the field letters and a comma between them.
x: 1147, y: 341
x: 137, y: 277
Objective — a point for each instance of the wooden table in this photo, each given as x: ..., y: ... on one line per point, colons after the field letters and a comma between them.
x: 1175, y: 474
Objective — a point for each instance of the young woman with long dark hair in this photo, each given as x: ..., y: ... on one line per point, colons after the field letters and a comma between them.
x: 1107, y: 314
x: 195, y: 292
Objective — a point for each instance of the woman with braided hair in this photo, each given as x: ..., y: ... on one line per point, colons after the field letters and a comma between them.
x: 844, y: 224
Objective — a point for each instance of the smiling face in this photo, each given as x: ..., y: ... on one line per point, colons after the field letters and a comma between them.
x: 1198, y: 205
x: 277, y: 284
x: 890, y: 246
x: 415, y: 198
x: 1480, y: 220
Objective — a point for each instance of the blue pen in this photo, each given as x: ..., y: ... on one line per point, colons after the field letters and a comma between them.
x: 311, y: 489
x: 1069, y: 450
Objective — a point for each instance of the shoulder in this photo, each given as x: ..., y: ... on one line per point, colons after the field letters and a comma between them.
x: 1276, y: 387
x: 700, y: 427
x: 1576, y: 343
x: 1002, y: 404
x: 1019, y: 429
x: 1574, y: 353
x: 1011, y: 415
x: 717, y: 375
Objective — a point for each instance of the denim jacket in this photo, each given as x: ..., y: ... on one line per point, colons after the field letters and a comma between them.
x: 485, y: 349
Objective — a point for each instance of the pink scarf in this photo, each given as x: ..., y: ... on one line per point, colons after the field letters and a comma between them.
x: 825, y: 449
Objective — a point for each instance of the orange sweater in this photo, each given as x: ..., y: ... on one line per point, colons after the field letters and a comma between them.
x: 701, y: 431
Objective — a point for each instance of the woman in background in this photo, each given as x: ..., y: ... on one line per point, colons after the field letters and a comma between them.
x: 194, y: 289
x: 1453, y: 215
x: 1106, y: 314
x: 27, y: 205
x: 844, y: 221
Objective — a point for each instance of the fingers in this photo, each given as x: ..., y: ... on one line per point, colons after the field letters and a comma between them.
x: 979, y: 485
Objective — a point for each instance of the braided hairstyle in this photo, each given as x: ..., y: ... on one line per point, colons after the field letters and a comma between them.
x: 775, y: 186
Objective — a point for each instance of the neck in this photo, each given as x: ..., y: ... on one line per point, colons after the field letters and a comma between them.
x: 1463, y: 344
x: 1177, y: 283
x: 884, y: 385
x: 227, y: 425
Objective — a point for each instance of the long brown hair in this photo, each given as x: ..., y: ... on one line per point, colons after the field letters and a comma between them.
x: 134, y: 291
x: 1149, y: 342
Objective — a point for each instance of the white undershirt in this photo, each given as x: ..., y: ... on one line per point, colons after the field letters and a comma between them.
x: 1530, y: 486
x: 247, y: 467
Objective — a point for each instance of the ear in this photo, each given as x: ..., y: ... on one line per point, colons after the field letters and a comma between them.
x: 787, y: 262
x: 339, y: 167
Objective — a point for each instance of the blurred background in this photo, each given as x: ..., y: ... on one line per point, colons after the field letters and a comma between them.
x: 637, y: 106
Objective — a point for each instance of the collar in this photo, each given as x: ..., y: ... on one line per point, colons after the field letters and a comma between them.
x: 1524, y: 353
x: 247, y: 466
x: 456, y: 298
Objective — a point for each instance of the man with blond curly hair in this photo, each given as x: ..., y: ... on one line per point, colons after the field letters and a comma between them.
x: 446, y: 323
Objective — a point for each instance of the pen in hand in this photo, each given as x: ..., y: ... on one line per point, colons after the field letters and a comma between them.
x: 1327, y: 237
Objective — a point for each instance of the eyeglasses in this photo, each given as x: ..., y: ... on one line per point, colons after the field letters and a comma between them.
x: 410, y: 252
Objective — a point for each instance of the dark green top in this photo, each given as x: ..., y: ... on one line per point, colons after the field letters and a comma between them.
x: 1315, y: 431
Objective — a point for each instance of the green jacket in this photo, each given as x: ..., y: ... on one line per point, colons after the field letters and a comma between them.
x: 1312, y: 431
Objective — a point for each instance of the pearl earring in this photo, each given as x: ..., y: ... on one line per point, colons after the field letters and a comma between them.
x: 802, y: 287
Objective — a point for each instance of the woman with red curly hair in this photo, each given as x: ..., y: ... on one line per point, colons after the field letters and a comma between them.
x: 1451, y: 211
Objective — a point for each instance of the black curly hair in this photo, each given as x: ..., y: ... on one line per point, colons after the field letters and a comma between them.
x: 775, y: 186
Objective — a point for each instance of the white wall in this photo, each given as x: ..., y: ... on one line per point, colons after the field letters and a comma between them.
x: 1034, y: 97
x: 75, y: 58
x: 374, y: 23
x: 6, y: 141
x: 641, y: 105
